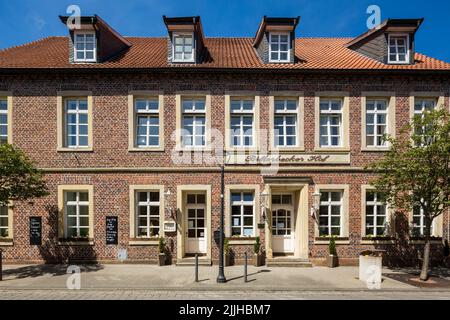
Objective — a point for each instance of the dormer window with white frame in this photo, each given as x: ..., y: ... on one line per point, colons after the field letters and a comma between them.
x: 85, y: 47
x: 279, y: 47
x: 183, y: 47
x: 398, y: 49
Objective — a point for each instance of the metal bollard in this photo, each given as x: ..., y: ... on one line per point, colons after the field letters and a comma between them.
x: 196, y: 267
x: 245, y: 267
x: 1, y: 265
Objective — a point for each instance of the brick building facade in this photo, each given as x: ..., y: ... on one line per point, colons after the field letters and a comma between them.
x: 100, y: 164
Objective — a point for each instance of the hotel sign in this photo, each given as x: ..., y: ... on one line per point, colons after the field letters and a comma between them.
x: 301, y: 158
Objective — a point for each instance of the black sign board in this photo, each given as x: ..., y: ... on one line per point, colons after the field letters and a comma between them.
x: 35, y: 231
x: 112, y: 233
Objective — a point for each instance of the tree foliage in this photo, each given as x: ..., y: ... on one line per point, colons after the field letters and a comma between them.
x: 19, y: 178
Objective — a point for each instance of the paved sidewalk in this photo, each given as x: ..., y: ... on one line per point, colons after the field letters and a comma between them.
x: 98, y: 277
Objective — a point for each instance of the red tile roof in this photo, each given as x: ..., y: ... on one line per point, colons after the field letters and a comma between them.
x: 311, y: 54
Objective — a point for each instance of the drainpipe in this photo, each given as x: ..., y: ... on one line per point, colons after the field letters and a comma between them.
x: 221, y: 277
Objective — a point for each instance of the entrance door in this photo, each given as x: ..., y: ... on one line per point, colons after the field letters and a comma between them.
x: 195, y: 224
x: 283, y: 232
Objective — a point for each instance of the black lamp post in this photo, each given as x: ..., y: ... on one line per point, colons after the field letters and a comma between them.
x: 221, y: 277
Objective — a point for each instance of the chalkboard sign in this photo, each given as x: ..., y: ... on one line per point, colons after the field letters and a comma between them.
x: 35, y: 231
x: 111, y: 230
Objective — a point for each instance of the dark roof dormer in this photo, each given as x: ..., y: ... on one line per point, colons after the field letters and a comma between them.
x: 93, y: 40
x: 392, y: 42
x: 275, y: 40
x: 186, y: 41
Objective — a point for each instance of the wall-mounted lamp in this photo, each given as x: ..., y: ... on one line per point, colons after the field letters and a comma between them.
x: 264, y: 199
x: 316, y: 205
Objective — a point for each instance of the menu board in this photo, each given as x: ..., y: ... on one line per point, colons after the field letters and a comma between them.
x: 35, y: 231
x: 112, y: 233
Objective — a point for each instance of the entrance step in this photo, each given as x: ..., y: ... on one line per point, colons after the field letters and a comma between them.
x: 288, y: 262
x: 189, y: 261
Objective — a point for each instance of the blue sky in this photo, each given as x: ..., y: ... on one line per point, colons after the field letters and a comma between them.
x: 22, y: 21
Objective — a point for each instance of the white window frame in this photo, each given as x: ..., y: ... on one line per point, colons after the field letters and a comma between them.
x: 241, y: 205
x: 375, y: 123
x: 77, y: 203
x: 421, y: 225
x: 183, y: 35
x: 375, y: 203
x: 148, y: 113
x: 286, y: 113
x: 241, y: 113
x: 422, y: 111
x: 407, y: 47
x: 8, y: 222
x: 329, y: 114
x: 148, y: 204
x: 76, y: 112
x: 196, y: 115
x: 94, y: 50
x: 329, y: 203
x: 288, y: 52
x: 6, y: 114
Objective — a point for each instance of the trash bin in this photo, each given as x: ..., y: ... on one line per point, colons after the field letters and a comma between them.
x: 370, y: 265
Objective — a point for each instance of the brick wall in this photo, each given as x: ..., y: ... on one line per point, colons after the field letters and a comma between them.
x: 34, y: 131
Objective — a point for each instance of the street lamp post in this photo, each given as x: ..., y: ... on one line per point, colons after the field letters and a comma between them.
x: 221, y: 277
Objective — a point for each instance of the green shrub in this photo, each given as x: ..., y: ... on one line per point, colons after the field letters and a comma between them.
x: 257, y: 245
x: 332, y: 247
x: 162, y: 245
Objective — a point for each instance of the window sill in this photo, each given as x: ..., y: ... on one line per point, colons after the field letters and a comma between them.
x: 64, y: 242
x: 328, y: 149
x: 374, y: 149
x: 90, y: 149
x: 419, y: 240
x: 6, y: 242
x: 241, y: 241
x: 241, y: 150
x: 149, y: 149
x: 378, y: 240
x: 143, y: 242
x: 326, y: 240
x: 193, y: 149
x: 287, y: 149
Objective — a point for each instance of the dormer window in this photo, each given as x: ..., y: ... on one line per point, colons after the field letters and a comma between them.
x: 85, y: 47
x: 183, y: 47
x: 279, y: 47
x: 398, y: 49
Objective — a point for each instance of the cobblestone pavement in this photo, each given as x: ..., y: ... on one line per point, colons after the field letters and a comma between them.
x: 24, y: 294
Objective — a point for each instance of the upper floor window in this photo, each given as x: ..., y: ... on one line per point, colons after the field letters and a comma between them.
x: 398, y: 49
x: 147, y: 122
x: 242, y: 122
x: 285, y: 123
x: 85, y: 47
x: 3, y: 121
x: 76, y: 116
x: 421, y: 106
x: 279, y: 47
x: 376, y: 123
x: 183, y: 47
x: 193, y: 122
x: 330, y: 123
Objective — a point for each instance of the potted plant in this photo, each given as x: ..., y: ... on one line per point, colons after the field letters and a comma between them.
x: 227, y: 250
x: 162, y: 252
x: 257, y: 257
x: 332, y: 260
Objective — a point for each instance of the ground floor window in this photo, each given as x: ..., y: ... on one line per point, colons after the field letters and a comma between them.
x: 77, y: 214
x: 148, y: 209
x: 418, y: 223
x: 242, y: 214
x: 376, y: 214
x: 330, y: 213
x: 4, y: 222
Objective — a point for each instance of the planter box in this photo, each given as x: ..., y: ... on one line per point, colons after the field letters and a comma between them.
x: 162, y: 259
x: 258, y: 260
x: 228, y: 260
x: 332, y: 261
x: 370, y: 269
